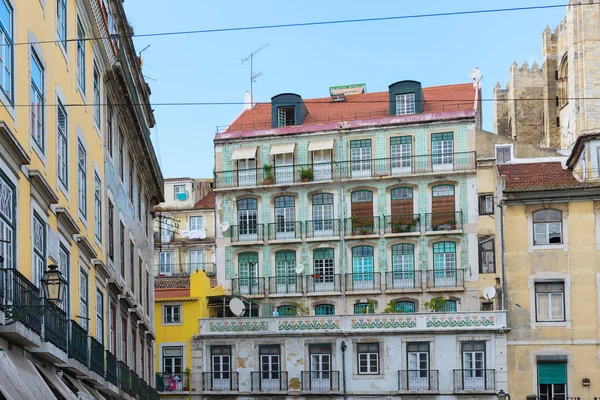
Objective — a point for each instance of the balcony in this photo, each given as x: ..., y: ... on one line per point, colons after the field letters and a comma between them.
x: 450, y: 278
x: 363, y: 282
x: 248, y: 286
x: 320, y: 381
x: 322, y: 229
x: 220, y: 381
x: 78, y: 343
x: 111, y: 368
x: 56, y: 326
x: 124, y: 377
x: 361, y: 226
x: 474, y: 380
x: 421, y: 380
x: 428, y: 164
x: 401, y: 281
x: 173, y: 382
x: 96, y: 356
x: 135, y: 384
x: 323, y: 283
x: 19, y: 291
x: 271, y: 381
x: 249, y: 233
x: 443, y: 222
x: 285, y: 231
x: 402, y: 224
x: 184, y: 269
x: 281, y: 285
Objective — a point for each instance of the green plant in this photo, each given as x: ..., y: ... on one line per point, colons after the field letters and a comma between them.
x: 301, y: 308
x: 390, y: 308
x: 436, y: 304
x: 268, y: 170
x: 531, y: 397
x: 307, y: 174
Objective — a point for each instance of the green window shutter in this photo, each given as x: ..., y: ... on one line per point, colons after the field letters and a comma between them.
x: 549, y: 373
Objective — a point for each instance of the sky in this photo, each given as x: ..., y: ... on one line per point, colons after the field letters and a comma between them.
x: 308, y: 60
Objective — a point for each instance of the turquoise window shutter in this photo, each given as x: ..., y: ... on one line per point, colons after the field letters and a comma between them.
x: 555, y: 373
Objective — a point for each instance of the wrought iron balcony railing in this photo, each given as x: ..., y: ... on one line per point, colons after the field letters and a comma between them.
x: 248, y: 286
x: 474, y: 379
x: 418, y: 380
x: 363, y: 281
x: 409, y: 223
x: 342, y: 170
x: 20, y: 292
x: 220, y: 381
x: 285, y: 230
x: 78, y: 343
x: 56, y: 326
x: 173, y: 382
x: 323, y: 228
x: 124, y: 377
x: 445, y: 278
x: 96, y: 356
x: 184, y: 269
x: 443, y: 221
x: 269, y: 381
x: 135, y: 384
x: 320, y: 381
x: 246, y: 233
x: 111, y: 368
x: 403, y: 280
x: 362, y: 226
x: 319, y: 283
x: 291, y: 284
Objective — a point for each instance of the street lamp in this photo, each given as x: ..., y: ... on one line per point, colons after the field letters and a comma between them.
x: 53, y: 284
x: 503, y: 396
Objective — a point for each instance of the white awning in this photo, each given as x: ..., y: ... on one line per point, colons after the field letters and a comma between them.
x: 244, y: 153
x: 320, y: 145
x: 19, y: 380
x: 58, y: 383
x: 284, y: 148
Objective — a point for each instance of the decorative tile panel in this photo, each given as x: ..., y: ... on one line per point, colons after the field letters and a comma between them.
x: 308, y: 325
x: 460, y: 321
x: 246, y: 326
x: 383, y: 322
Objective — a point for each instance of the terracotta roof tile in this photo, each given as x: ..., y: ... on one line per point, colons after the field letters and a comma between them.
x: 172, y: 282
x: 359, y: 107
x: 207, y: 202
x: 171, y: 293
x: 185, y: 178
x: 538, y: 176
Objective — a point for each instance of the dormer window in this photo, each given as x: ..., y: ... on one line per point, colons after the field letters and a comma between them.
x: 180, y: 193
x: 286, y: 116
x: 405, y: 103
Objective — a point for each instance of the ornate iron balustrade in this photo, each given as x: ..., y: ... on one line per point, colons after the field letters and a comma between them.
x: 363, y: 281
x: 248, y: 286
x: 111, y: 368
x: 322, y: 228
x: 320, y: 381
x: 444, y: 221
x: 124, y: 377
x: 292, y: 284
x: 246, y: 233
x: 79, y: 344
x: 173, y: 382
x: 56, y: 326
x: 184, y: 269
x: 418, y: 380
x: 22, y: 300
x: 403, y: 280
x: 285, y: 230
x: 96, y: 356
x: 445, y: 278
x: 269, y: 381
x: 342, y: 170
x: 474, y: 379
x: 361, y: 226
x: 409, y: 223
x: 319, y: 283
x: 220, y: 381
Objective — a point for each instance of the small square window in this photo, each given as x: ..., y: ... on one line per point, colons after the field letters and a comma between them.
x: 486, y: 204
x: 550, y: 301
x: 172, y: 314
x: 179, y: 192
x: 368, y: 358
x: 503, y: 154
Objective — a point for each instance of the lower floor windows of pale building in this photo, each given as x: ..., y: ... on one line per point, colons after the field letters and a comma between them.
x: 552, y: 381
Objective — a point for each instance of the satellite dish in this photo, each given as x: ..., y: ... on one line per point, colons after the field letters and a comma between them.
x: 237, y: 307
x: 299, y: 268
x: 225, y: 226
x: 475, y: 75
x: 489, y: 292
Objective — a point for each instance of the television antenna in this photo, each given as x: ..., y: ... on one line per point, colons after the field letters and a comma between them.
x: 237, y: 307
x: 299, y: 269
x: 253, y: 75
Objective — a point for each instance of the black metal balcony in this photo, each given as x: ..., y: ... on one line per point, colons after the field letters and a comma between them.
x: 269, y: 381
x: 220, y: 381
x: 362, y: 226
x: 246, y: 233
x: 444, y: 221
x: 409, y: 223
x: 248, y: 286
x: 322, y: 228
x: 285, y: 230
x: 78, y: 343
x: 96, y: 356
x: 56, y: 326
x: 184, y: 269
x: 124, y: 377
x: 445, y: 278
x: 320, y: 283
x: 420, y: 380
x: 474, y: 379
x: 342, y: 170
x: 173, y: 382
x: 292, y: 284
x: 320, y: 381
x: 111, y: 368
x: 135, y: 384
x: 403, y: 280
x: 363, y: 281
x: 19, y: 291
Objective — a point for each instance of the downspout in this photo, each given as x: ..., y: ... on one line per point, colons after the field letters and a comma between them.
x: 343, y: 347
x: 501, y: 206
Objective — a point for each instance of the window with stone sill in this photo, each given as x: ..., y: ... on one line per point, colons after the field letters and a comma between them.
x: 547, y: 227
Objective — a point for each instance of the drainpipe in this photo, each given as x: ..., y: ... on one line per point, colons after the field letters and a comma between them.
x: 343, y: 347
x: 501, y: 206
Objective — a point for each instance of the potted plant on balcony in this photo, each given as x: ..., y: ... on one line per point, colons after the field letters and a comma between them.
x: 437, y: 304
x: 531, y: 397
x: 307, y: 174
x: 452, y: 224
x: 268, y: 171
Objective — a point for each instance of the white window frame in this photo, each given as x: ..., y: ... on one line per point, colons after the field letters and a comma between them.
x: 61, y: 23
x: 62, y: 144
x: 550, y: 296
x: 405, y: 103
x: 176, y: 192
x: 503, y: 147
x: 96, y: 89
x: 80, y: 31
x: 6, y: 54
x: 39, y: 227
x: 196, y: 226
x: 545, y: 277
x: 168, y: 312
x: 368, y: 357
x: 37, y: 105
x: 84, y: 297
x: 99, y: 315
x: 82, y: 179
x: 97, y: 207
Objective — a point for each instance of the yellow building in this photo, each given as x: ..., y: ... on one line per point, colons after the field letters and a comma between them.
x: 61, y: 202
x: 550, y: 228
x: 180, y: 302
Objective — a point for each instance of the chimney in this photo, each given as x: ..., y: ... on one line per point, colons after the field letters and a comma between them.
x: 248, y: 101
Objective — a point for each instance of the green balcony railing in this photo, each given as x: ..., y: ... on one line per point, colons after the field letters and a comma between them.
x: 135, y: 384
x: 78, y: 343
x: 56, y: 326
x: 124, y: 377
x: 19, y: 291
x: 111, y: 368
x: 96, y: 356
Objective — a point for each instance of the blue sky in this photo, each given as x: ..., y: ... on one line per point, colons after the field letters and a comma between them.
x: 307, y: 60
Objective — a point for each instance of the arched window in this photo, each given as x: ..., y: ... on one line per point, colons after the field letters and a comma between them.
x: 403, y: 267
x: 285, y: 218
x: 286, y: 280
x: 364, y: 308
x: 447, y: 306
x: 563, y: 83
x: 322, y: 224
x: 443, y: 217
x: 248, y: 275
x: 547, y: 227
x: 361, y: 219
x: 362, y: 269
x: 325, y: 309
x: 444, y: 272
x: 247, y: 229
x: 323, y: 278
x: 404, y: 307
x: 286, y: 311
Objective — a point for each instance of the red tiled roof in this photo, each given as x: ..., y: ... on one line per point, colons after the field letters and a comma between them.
x: 207, y: 202
x: 365, y: 106
x: 538, y: 176
x: 185, y: 178
x: 171, y: 293
x: 172, y: 282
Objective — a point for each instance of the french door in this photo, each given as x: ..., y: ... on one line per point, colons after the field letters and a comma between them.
x: 247, y: 220
x: 403, y: 267
x: 322, y: 215
x: 246, y: 172
x: 323, y: 271
x: 442, y: 149
x: 248, y: 277
x: 196, y: 261
x: 473, y: 357
x: 284, y: 168
x: 360, y: 156
x: 401, y: 155
x: 320, y: 371
x: 418, y: 370
x: 322, y: 166
x: 165, y: 259
x: 270, y: 372
x: 221, y: 372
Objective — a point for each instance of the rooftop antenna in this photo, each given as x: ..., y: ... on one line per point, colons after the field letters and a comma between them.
x: 253, y: 75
